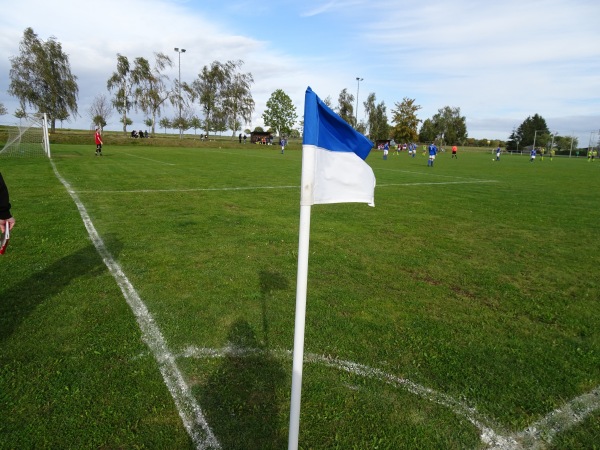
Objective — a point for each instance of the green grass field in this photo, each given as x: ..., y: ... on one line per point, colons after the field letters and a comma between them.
x: 461, y: 310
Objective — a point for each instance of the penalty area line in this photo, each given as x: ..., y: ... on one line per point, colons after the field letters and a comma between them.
x: 188, y: 408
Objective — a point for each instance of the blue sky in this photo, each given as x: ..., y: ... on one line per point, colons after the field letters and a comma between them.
x: 500, y: 62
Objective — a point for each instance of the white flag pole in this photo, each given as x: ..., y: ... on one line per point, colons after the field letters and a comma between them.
x: 299, y: 326
x: 306, y: 201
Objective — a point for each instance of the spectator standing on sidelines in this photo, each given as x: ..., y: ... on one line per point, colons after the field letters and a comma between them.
x: 98, y: 139
x: 432, y: 154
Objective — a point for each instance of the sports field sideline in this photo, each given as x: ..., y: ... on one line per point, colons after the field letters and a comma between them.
x: 148, y: 302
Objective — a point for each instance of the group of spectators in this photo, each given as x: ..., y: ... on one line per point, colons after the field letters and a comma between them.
x: 139, y: 134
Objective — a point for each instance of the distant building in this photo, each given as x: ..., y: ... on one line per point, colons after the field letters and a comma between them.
x: 261, y: 137
x: 379, y: 143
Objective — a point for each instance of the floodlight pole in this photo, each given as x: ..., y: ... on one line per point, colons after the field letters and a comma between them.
x: 179, y: 52
x: 552, y: 141
x: 358, y: 80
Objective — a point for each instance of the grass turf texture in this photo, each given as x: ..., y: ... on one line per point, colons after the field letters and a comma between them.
x: 473, y: 278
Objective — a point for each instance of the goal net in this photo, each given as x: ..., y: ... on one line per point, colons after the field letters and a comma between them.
x: 27, y: 139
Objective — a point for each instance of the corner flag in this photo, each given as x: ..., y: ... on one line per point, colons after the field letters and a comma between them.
x: 333, y: 154
x: 333, y: 171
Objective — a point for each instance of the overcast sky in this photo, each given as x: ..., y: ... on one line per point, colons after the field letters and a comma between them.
x: 499, y: 62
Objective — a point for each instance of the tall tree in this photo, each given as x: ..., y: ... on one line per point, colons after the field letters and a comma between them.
x: 345, y: 107
x: 3, y: 109
x: 238, y: 102
x: 369, y: 105
x: 120, y: 82
x: 405, y: 121
x: 377, y: 121
x: 427, y: 132
x: 280, y: 113
x: 380, y: 128
x: 41, y: 77
x: 532, y: 128
x: 209, y: 89
x: 150, y: 85
x: 450, y: 127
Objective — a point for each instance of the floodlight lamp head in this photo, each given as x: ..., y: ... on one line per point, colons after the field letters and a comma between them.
x: 183, y: 50
x: 176, y: 49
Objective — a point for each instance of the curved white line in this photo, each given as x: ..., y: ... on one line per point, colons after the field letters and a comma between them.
x: 534, y: 437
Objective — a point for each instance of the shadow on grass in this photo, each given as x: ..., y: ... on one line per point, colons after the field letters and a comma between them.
x: 18, y: 301
x: 242, y: 398
x: 269, y: 282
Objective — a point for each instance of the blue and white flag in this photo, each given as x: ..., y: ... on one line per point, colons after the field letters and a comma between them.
x: 333, y: 171
x: 333, y: 158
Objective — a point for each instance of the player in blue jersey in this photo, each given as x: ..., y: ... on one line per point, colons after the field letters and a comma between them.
x: 532, y: 155
x: 432, y: 153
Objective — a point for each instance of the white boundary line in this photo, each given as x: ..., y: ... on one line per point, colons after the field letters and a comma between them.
x: 425, y: 173
x: 418, y: 183
x: 256, y: 188
x: 189, y: 410
x: 149, y: 191
x: 536, y: 436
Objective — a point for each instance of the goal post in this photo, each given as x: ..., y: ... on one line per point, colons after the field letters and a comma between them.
x: 27, y: 139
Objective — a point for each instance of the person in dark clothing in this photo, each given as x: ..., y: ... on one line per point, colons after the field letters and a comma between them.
x: 6, y: 219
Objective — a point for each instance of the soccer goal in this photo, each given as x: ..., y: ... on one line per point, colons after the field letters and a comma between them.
x: 28, y: 139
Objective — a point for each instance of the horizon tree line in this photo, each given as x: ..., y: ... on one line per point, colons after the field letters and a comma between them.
x: 41, y: 78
